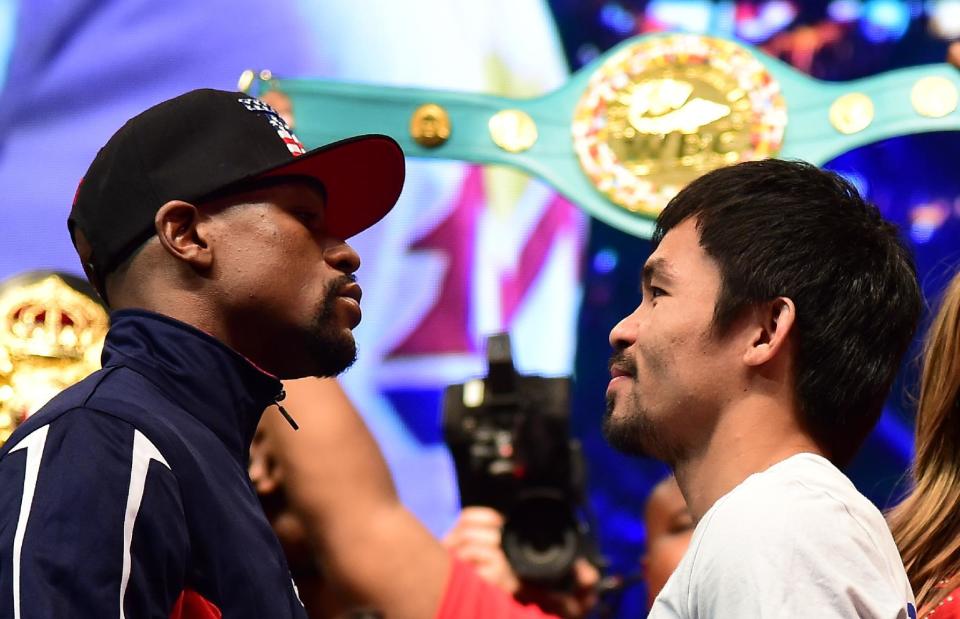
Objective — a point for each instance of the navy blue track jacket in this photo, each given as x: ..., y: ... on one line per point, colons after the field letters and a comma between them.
x: 127, y: 495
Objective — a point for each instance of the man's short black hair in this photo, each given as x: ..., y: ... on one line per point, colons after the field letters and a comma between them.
x: 787, y: 228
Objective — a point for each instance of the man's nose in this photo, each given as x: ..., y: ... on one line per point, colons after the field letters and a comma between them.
x: 343, y: 257
x: 624, y: 333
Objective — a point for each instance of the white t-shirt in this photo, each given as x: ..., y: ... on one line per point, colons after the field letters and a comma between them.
x: 796, y: 540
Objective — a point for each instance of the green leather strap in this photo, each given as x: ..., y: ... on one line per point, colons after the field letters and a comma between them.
x: 325, y: 111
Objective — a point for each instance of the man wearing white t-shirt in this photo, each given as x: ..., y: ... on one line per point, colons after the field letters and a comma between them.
x: 776, y: 307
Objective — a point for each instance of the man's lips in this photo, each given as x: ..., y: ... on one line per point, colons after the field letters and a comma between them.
x: 617, y: 375
x: 349, y: 295
x: 351, y: 291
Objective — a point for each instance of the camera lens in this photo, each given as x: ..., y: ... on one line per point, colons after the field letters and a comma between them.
x: 540, y: 537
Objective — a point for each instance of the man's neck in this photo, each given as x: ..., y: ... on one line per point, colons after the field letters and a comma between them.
x: 190, y: 309
x: 748, y: 440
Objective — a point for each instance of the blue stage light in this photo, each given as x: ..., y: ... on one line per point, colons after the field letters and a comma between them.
x: 885, y: 20
x: 605, y: 260
x: 896, y: 435
x: 618, y: 19
x: 845, y: 11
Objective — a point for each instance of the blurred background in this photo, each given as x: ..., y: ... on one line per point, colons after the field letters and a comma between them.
x: 470, y: 250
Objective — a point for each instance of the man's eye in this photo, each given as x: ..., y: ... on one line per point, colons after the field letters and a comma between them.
x: 656, y: 292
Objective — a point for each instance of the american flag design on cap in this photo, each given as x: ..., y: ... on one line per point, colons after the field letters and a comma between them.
x: 292, y: 141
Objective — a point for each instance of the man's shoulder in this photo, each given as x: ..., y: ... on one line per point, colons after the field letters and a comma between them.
x: 802, y: 493
x: 797, y: 508
x: 802, y: 534
x: 102, y: 399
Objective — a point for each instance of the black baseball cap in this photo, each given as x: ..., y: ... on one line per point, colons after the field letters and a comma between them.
x: 206, y: 141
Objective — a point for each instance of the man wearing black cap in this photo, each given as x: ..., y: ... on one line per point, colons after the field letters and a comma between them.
x: 218, y: 241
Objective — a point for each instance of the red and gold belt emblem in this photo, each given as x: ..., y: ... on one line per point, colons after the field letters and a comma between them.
x: 663, y: 111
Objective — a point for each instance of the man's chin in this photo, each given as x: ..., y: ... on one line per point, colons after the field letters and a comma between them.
x: 631, y: 433
x: 336, y: 363
x: 331, y: 354
x: 621, y: 437
x: 615, y: 428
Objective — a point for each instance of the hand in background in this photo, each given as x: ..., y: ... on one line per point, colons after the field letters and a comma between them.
x: 475, y: 539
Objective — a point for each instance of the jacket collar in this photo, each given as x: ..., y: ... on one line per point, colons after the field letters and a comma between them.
x: 211, y: 381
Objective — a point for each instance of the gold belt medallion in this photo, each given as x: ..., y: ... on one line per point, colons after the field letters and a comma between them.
x: 663, y: 111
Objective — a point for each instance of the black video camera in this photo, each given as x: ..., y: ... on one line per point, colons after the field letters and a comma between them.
x: 510, y: 439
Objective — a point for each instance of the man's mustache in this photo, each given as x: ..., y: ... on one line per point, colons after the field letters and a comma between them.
x: 623, y: 363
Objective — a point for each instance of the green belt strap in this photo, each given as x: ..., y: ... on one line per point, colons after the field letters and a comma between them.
x: 628, y: 131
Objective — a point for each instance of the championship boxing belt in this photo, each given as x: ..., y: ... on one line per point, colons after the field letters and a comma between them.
x: 629, y: 130
x: 51, y: 336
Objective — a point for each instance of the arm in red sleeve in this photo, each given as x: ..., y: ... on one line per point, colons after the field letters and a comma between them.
x: 467, y: 596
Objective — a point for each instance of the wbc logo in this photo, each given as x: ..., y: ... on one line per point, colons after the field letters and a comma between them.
x: 294, y: 145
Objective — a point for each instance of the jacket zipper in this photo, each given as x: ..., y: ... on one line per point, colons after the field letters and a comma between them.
x: 283, y: 411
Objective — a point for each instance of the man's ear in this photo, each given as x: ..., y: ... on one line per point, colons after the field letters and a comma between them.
x: 773, y: 322
x: 183, y: 233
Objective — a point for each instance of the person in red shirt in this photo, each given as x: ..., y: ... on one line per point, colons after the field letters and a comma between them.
x: 352, y: 544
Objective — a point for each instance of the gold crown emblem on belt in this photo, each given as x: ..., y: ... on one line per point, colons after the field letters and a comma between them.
x: 51, y: 336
